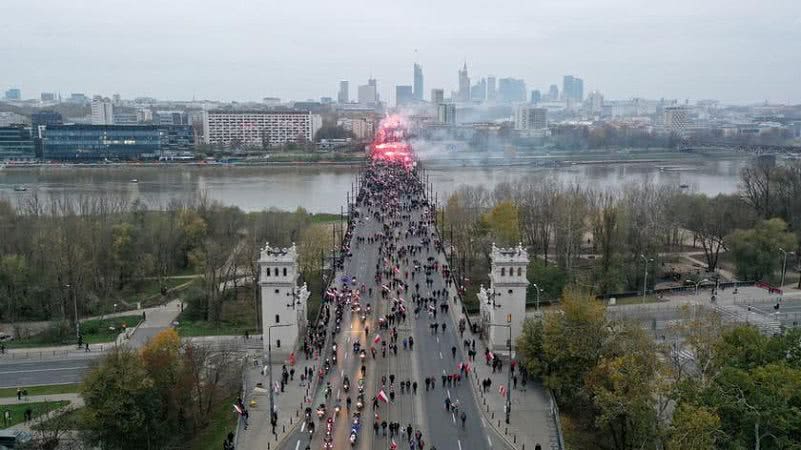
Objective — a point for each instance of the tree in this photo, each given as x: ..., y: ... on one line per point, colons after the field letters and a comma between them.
x: 502, y: 222
x: 694, y: 428
x: 122, y: 404
x: 756, y: 250
x: 573, y: 341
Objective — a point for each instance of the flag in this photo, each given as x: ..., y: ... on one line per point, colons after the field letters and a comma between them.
x: 502, y: 390
x: 386, y: 288
x: 393, y: 446
x: 382, y: 396
x: 491, y: 356
x: 377, y: 339
x: 238, y: 409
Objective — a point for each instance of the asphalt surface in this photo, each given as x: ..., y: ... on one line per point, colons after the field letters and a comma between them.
x: 50, y: 371
x: 431, y: 357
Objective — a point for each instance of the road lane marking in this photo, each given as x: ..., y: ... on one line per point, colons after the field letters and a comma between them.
x: 44, y: 370
x: 302, y: 426
x: 297, y: 445
x: 440, y: 355
x: 457, y: 441
x: 489, y: 441
x: 483, y: 422
x: 449, y: 393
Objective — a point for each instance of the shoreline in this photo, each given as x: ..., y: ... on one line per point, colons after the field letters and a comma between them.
x: 478, y: 161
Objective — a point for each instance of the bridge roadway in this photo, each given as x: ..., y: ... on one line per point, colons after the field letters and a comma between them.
x: 431, y: 357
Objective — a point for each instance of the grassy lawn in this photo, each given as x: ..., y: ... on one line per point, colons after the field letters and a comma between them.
x: 18, y: 411
x: 222, y: 421
x: 94, y: 331
x: 42, y: 390
x: 202, y: 328
x: 324, y: 218
x: 70, y: 420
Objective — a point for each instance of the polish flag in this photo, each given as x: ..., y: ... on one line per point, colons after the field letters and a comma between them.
x: 382, y: 396
x: 491, y: 356
x: 502, y: 390
x: 238, y: 409
x: 377, y: 339
x: 386, y: 288
x: 397, y: 269
x: 393, y: 445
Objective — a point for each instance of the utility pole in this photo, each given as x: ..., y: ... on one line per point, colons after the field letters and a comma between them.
x: 645, y: 277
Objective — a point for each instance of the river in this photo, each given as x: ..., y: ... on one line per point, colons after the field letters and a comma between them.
x: 323, y: 188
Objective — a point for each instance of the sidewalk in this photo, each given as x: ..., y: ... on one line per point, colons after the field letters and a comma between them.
x: 531, y: 421
x: 289, y: 405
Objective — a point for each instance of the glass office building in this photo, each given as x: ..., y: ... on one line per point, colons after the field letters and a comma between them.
x: 113, y: 142
x: 16, y: 143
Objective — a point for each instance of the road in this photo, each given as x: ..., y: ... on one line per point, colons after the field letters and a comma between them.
x: 432, y: 355
x: 51, y: 371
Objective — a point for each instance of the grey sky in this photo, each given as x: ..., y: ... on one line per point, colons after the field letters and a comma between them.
x: 732, y: 50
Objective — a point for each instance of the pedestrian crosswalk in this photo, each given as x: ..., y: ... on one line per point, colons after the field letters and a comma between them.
x: 740, y: 314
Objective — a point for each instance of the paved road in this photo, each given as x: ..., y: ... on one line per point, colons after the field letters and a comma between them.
x: 431, y: 357
x: 31, y: 373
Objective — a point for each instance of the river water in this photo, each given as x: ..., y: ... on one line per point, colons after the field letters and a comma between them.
x: 323, y: 188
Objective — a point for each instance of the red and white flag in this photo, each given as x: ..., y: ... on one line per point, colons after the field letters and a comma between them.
x: 386, y: 288
x: 502, y: 390
x: 377, y: 339
x: 238, y: 409
x: 382, y: 396
x: 393, y: 446
x: 491, y: 356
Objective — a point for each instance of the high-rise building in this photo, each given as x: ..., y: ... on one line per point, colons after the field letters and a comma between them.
x: 79, y: 98
x: 367, y: 95
x: 511, y: 90
x: 676, y: 119
x: 437, y: 96
x: 491, y: 89
x: 528, y: 118
x: 171, y: 118
x: 595, y: 102
x: 553, y: 93
x: 125, y: 117
x: 259, y: 128
x: 446, y: 113
x: 418, y: 82
x: 404, y: 95
x: 536, y: 96
x: 48, y: 97
x: 102, y: 111
x: 478, y: 92
x: 464, y: 85
x: 572, y: 89
x: 343, y: 96
x: 14, y: 94
x: 374, y: 83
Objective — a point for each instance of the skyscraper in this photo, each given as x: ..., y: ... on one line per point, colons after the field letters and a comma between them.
x: 437, y: 96
x: 367, y: 94
x: 536, y: 96
x: 511, y: 90
x: 404, y: 95
x: 553, y: 93
x: 464, y: 84
x: 572, y: 89
x: 446, y: 113
x: 342, y: 95
x: 418, y: 82
x: 478, y: 93
x: 491, y: 92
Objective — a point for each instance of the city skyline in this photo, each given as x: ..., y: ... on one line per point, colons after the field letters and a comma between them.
x: 682, y: 50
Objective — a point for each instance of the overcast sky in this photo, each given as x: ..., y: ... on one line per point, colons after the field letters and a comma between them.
x: 731, y: 50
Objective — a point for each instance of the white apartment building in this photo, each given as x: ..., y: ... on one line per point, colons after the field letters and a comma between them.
x: 259, y: 128
x: 102, y: 111
x: 529, y: 118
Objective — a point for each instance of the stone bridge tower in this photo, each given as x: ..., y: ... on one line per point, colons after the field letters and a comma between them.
x: 504, y: 303
x: 282, y: 301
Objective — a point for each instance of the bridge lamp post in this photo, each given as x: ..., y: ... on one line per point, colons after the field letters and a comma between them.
x: 509, y: 372
x: 705, y: 280
x: 537, y: 290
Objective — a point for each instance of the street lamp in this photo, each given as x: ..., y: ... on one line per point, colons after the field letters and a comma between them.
x: 75, y: 306
x: 705, y: 280
x: 645, y: 278
x: 537, y: 290
x: 784, y: 268
x: 270, y: 363
x: 509, y: 379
